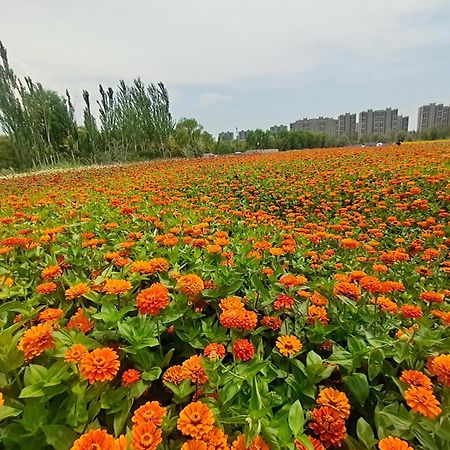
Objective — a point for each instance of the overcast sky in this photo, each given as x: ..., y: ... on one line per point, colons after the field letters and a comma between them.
x: 245, y: 64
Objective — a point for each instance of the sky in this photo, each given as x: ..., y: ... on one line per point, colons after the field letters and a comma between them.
x: 246, y: 64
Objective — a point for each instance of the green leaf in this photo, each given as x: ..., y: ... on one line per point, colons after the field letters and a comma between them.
x: 365, y: 433
x: 34, y: 415
x: 121, y: 416
x: 296, y: 418
x: 305, y: 441
x: 359, y: 386
x: 376, y: 360
x: 7, y: 411
x: 228, y: 392
x: 313, y: 358
x: 152, y: 374
x: 59, y: 436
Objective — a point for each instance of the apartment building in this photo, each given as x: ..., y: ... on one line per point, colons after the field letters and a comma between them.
x: 433, y: 116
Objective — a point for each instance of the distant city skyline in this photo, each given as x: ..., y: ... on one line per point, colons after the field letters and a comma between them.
x: 370, y: 122
x: 240, y: 64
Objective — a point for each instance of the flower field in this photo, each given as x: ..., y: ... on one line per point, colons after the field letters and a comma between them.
x: 296, y: 300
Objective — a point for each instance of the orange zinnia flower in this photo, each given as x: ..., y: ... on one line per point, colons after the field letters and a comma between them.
x: 194, y: 370
x: 243, y: 349
x: 329, y: 427
x: 77, y: 291
x: 348, y: 290
x: 238, y: 318
x: 336, y: 400
x: 153, y: 299
x: 94, y: 439
x: 288, y: 345
x: 150, y: 412
x: 411, y: 311
x: 317, y: 445
x: 416, y: 378
x: 102, y: 364
x: 130, y: 376
x: 190, y: 284
x: 175, y: 374
x: 116, y: 287
x: 231, y: 302
x: 439, y: 366
x: 317, y: 313
x: 36, y: 340
x: 272, y: 322
x: 195, y: 420
x: 75, y: 353
x: 46, y: 288
x: 393, y: 443
x: 145, y: 436
x: 51, y: 272
x: 194, y: 444
x: 289, y: 280
x: 283, y: 301
x: 51, y: 315
x: 216, y: 439
x: 423, y: 401
x: 80, y: 322
x: 214, y: 351
x: 257, y: 444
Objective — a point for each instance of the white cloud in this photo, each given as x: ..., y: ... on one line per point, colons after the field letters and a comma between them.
x: 213, y: 99
x: 211, y: 41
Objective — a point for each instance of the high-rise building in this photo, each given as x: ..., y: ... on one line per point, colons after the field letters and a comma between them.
x: 433, y: 116
x: 278, y: 128
x: 242, y: 135
x: 347, y: 124
x: 326, y: 125
x: 226, y: 136
x: 381, y: 121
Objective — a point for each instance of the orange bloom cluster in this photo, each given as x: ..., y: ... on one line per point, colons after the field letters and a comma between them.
x: 130, y: 376
x: 272, y: 322
x: 116, y: 287
x: 46, y: 288
x: 51, y: 272
x: 76, y: 291
x: 283, y: 301
x: 288, y: 345
x: 151, y: 267
x: 102, y: 364
x: 238, y: 318
x: 214, y: 351
x: 419, y: 396
x: 194, y: 370
x: 36, y: 340
x: 258, y: 443
x: 243, y: 349
x: 195, y: 420
x: 319, y: 314
x: 99, y: 440
x: 439, y: 367
x: 80, y: 321
x: 190, y: 285
x: 289, y: 280
x: 393, y: 443
x: 175, y: 374
x: 75, y: 353
x: 317, y: 445
x: 347, y: 289
x: 153, y: 299
x: 328, y: 421
x: 150, y: 412
x: 51, y: 315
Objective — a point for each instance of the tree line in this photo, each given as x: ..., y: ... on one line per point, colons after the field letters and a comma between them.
x: 131, y: 122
